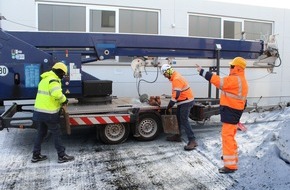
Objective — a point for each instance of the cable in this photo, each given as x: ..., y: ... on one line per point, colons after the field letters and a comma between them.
x: 20, y: 24
x: 138, y: 84
x: 252, y: 79
x: 259, y: 78
x: 278, y: 55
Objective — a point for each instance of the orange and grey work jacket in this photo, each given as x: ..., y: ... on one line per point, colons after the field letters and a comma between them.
x: 233, y: 95
x: 181, y: 91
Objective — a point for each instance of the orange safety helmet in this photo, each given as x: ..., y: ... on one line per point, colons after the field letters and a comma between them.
x: 239, y: 61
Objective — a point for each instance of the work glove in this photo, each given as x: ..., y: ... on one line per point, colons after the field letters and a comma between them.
x: 169, y: 107
x: 168, y: 111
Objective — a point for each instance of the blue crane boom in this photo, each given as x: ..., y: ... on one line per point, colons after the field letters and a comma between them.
x: 25, y: 55
x: 143, y: 45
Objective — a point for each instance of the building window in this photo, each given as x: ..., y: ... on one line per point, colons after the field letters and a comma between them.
x: 102, y: 21
x: 61, y: 18
x: 232, y: 30
x: 108, y: 19
x: 204, y: 26
x: 257, y: 30
x: 137, y: 21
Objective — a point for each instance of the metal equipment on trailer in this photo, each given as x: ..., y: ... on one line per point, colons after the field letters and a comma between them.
x: 25, y: 55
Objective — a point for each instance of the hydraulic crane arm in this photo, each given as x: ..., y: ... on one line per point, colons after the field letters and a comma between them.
x: 25, y: 55
x: 108, y: 45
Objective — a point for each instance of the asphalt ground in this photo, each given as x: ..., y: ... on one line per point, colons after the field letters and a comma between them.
x: 133, y: 164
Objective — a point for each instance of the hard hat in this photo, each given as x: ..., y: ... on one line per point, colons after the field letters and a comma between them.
x: 60, y: 65
x: 239, y: 61
x: 164, y: 68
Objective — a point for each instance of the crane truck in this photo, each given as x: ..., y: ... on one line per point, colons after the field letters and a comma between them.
x: 25, y: 55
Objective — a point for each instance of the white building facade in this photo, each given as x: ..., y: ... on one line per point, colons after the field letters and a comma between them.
x: 198, y: 18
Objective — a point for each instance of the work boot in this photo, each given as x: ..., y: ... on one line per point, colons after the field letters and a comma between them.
x: 65, y: 158
x: 190, y: 145
x: 225, y: 170
x: 38, y: 157
x: 174, y: 138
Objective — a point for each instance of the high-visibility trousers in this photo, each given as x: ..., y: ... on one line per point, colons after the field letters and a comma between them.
x: 229, y: 146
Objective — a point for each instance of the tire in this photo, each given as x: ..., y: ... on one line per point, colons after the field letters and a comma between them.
x: 149, y: 127
x: 115, y: 133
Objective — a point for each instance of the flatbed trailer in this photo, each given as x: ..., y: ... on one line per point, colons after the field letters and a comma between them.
x: 114, y: 121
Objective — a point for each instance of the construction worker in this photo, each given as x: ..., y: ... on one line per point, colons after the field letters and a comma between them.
x: 49, y: 100
x: 182, y: 96
x: 234, y: 90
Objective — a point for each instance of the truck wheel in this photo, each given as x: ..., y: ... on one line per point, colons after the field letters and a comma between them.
x: 114, y: 133
x: 148, y: 127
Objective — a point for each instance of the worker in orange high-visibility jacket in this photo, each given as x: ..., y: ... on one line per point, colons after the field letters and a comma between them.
x: 233, y: 99
x: 183, y: 97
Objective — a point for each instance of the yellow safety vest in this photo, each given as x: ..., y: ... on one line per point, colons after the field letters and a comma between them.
x: 49, y: 95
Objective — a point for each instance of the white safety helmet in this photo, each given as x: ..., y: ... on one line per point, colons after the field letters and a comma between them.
x: 165, y: 67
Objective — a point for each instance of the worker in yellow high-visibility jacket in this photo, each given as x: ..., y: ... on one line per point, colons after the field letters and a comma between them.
x: 49, y: 100
x: 234, y: 91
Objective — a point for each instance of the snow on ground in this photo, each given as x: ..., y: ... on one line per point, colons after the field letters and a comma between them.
x: 263, y: 151
x: 263, y: 159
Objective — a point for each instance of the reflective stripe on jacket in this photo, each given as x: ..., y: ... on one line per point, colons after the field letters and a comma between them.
x: 49, y: 95
x: 179, y: 83
x: 233, y: 96
x: 234, y: 90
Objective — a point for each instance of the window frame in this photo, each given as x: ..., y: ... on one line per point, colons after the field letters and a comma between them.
x: 102, y: 8
x: 231, y: 19
x: 264, y: 37
x: 57, y: 4
x: 201, y: 15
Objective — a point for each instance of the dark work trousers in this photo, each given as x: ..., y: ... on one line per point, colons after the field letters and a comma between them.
x: 54, y: 128
x: 182, y: 114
